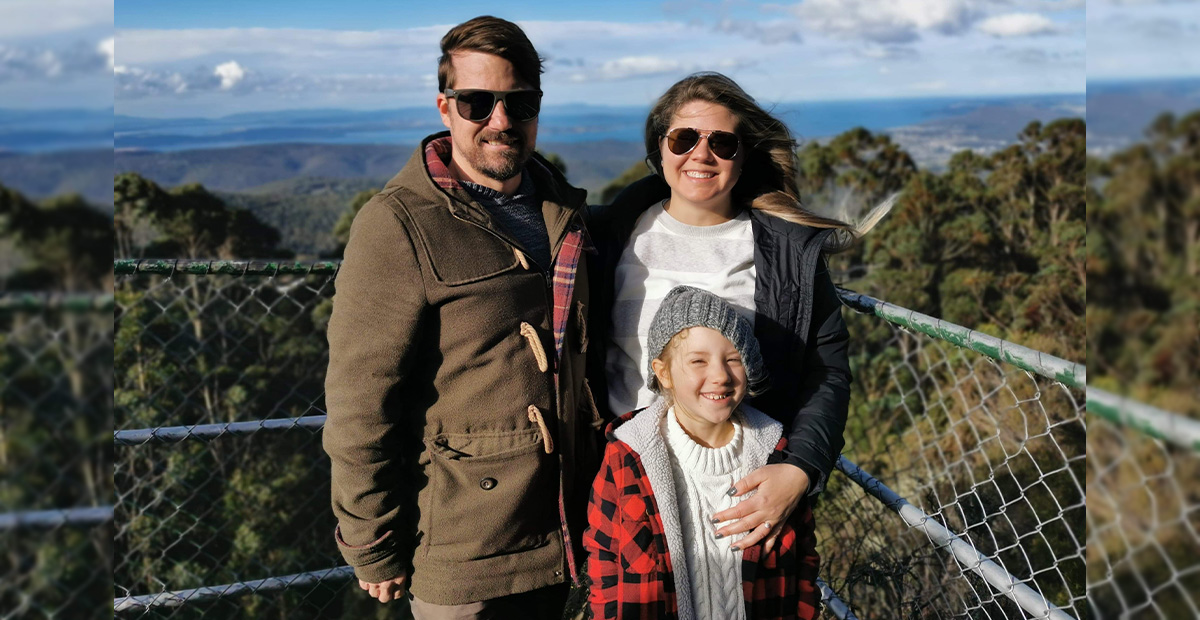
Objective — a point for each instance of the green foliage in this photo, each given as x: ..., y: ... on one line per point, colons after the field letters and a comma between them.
x: 306, y: 210
x: 995, y: 240
x: 630, y: 175
x: 557, y: 161
x: 186, y: 222
x: 62, y: 243
x: 56, y: 411
x: 1143, y: 263
x: 341, y: 230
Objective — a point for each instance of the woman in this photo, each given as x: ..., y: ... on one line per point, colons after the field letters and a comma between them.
x: 722, y: 212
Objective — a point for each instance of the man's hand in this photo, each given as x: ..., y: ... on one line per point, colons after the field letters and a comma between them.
x: 780, y: 487
x: 389, y: 590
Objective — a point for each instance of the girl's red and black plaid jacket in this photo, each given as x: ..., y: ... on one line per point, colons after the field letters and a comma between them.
x: 633, y: 523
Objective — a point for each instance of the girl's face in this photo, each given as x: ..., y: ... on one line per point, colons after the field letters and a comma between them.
x: 700, y: 180
x: 705, y: 378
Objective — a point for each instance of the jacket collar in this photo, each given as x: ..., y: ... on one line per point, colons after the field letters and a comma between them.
x: 428, y: 174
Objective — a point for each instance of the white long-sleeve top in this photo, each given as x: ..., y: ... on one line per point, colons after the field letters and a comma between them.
x: 663, y: 253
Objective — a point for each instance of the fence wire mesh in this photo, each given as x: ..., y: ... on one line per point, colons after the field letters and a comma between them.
x: 221, y: 508
x: 56, y: 456
x: 236, y: 493
x: 1143, y: 549
x: 990, y: 451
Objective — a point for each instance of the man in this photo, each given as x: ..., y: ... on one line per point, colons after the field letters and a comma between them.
x: 460, y: 431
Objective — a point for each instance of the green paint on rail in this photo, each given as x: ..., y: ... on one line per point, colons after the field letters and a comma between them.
x: 1045, y: 365
x: 1119, y: 417
x: 195, y: 268
x: 250, y: 267
x: 986, y: 344
x: 955, y: 334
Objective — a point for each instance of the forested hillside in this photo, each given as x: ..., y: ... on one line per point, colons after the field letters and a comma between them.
x: 1143, y: 264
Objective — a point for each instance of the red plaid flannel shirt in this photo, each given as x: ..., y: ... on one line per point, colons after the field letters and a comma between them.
x: 632, y: 571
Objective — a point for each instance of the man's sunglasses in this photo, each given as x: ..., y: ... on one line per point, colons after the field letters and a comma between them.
x: 723, y: 144
x: 476, y: 105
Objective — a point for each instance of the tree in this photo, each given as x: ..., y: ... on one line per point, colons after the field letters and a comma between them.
x: 188, y: 222
x: 341, y: 229
x: 557, y: 161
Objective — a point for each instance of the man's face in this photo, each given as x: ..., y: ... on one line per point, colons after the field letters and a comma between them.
x: 498, y: 147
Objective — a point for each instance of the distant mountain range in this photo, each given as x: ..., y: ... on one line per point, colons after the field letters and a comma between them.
x: 1119, y: 112
x: 88, y: 173
x: 49, y: 152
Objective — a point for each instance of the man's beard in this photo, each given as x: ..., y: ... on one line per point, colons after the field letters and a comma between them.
x: 506, y: 165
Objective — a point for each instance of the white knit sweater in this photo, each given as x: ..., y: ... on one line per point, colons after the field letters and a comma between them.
x: 702, y: 478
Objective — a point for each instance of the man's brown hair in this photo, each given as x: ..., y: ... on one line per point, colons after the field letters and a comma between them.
x: 490, y: 35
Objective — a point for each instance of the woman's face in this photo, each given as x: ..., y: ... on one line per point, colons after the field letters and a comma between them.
x: 700, y: 179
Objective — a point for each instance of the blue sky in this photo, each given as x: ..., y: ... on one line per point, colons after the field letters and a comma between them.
x: 169, y: 58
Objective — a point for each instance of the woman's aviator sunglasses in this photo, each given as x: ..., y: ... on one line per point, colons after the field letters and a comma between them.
x: 476, y: 105
x: 723, y: 144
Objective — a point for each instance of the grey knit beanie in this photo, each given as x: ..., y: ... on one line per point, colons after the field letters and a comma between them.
x: 688, y: 306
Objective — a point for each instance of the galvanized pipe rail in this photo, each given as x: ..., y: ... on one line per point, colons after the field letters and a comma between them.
x: 966, y: 554
x: 833, y: 603
x: 1043, y: 364
x: 1152, y: 421
x: 180, y: 598
x: 208, y: 432
x: 53, y: 519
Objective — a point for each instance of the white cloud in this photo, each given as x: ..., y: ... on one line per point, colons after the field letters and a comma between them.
x: 770, y: 33
x: 412, y: 46
x: 146, y: 47
x: 1143, y: 2
x: 889, y: 52
x: 231, y: 77
x: 933, y: 86
x: 1049, y: 6
x: 230, y: 73
x: 887, y: 21
x: 1017, y: 25
x: 40, y: 64
x: 1161, y: 28
x: 637, y: 66
x: 35, y: 18
x: 108, y: 48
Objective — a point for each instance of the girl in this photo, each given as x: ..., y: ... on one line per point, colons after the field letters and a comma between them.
x: 654, y: 551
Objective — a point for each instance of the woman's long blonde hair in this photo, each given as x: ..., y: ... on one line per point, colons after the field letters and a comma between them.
x: 768, y: 180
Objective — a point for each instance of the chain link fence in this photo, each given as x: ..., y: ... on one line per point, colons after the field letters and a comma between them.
x: 963, y: 493
x: 1143, y: 550
x: 56, y: 456
x: 222, y: 485
x: 981, y: 457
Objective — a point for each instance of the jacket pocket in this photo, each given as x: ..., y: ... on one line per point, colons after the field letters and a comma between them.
x: 492, y: 494
x: 637, y: 538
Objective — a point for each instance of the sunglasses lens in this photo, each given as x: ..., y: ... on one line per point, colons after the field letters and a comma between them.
x: 523, y: 106
x: 723, y: 144
x: 680, y: 141
x: 475, y: 106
